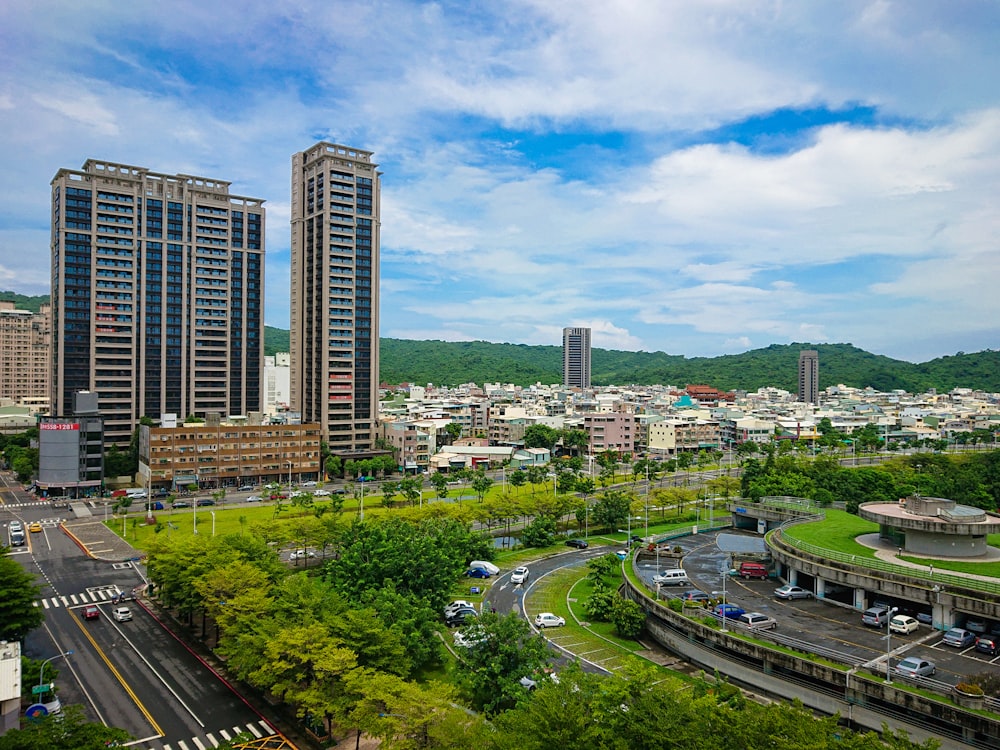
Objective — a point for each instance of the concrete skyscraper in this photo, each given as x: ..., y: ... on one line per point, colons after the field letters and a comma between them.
x: 809, y: 376
x: 334, y: 293
x: 576, y: 357
x: 157, y: 295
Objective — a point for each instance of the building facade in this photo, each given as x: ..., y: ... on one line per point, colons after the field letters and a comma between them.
x: 334, y: 294
x: 157, y: 294
x: 226, y: 454
x: 25, y: 362
x: 809, y: 376
x: 71, y: 451
x: 576, y: 357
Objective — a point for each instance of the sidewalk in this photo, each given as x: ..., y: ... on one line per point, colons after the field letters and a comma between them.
x: 99, y: 542
x: 890, y: 553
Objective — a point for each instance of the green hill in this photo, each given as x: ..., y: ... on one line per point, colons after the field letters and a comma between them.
x: 454, y: 362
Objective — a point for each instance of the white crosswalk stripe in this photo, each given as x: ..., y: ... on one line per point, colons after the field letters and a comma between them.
x: 254, y: 731
x: 225, y: 735
x: 209, y: 739
x: 199, y: 744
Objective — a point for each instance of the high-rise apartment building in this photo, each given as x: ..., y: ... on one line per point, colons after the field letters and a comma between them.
x: 334, y: 295
x: 576, y: 357
x: 157, y: 294
x: 25, y: 361
x: 809, y: 376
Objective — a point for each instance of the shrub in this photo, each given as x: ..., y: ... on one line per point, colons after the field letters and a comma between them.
x: 601, y: 605
x: 969, y: 688
x: 628, y: 617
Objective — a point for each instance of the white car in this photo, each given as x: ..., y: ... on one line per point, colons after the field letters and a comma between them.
x: 520, y: 575
x: 903, y: 624
x: 308, y: 484
x: 322, y: 493
x: 457, y: 605
x: 121, y: 614
x: 253, y: 499
x: 549, y: 620
x: 301, y: 554
x: 472, y: 636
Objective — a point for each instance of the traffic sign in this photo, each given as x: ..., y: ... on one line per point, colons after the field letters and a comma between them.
x: 36, y: 711
x: 39, y: 689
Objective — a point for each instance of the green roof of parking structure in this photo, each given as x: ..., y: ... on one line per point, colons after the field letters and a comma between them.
x: 836, y: 532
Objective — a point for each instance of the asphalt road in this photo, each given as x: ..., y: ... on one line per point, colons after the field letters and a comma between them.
x: 134, y: 675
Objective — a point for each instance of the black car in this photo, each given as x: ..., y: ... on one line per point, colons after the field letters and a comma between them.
x: 461, y: 616
x: 205, y: 501
x: 181, y: 504
x: 988, y: 644
x: 578, y: 543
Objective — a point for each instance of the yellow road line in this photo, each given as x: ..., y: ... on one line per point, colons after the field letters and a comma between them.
x: 118, y: 676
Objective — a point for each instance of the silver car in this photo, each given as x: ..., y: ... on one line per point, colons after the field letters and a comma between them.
x: 914, y: 666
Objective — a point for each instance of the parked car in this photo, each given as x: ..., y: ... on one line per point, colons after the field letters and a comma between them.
x: 322, y: 493
x: 903, y: 624
x: 308, y: 484
x: 548, y: 620
x: 121, y: 614
x: 757, y: 621
x: 520, y: 575
x: 749, y: 570
x: 457, y: 605
x: 976, y: 626
x: 792, y: 592
x: 301, y: 554
x: 578, y: 543
x: 470, y: 637
x: 489, y: 567
x: 461, y: 616
x: 729, y: 611
x: 34, y: 527
x: 676, y: 577
x: 925, y: 617
x: 477, y: 573
x: 245, y: 488
x: 914, y: 666
x: 988, y: 644
x: 875, y: 616
x: 959, y: 637
x: 694, y: 595
x: 253, y: 498
x: 91, y: 612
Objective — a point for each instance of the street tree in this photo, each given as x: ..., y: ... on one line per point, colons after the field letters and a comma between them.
x: 18, y: 592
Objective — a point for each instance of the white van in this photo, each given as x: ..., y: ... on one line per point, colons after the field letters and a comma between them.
x: 135, y: 493
x: 487, y: 566
x: 671, y: 578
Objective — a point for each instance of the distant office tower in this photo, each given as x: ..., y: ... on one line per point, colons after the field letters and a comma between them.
x: 157, y: 294
x: 25, y: 360
x: 334, y: 296
x: 576, y: 357
x: 809, y: 376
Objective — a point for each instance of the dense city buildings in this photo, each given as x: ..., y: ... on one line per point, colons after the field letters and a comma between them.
x: 25, y: 363
x: 809, y: 376
x: 157, y: 294
x: 576, y: 357
x: 334, y: 294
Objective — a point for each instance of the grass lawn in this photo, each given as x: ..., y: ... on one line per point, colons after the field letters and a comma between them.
x: 836, y: 533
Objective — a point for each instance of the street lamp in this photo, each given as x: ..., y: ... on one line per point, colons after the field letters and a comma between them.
x: 213, y: 521
x: 888, y: 645
x: 41, y: 670
x: 725, y: 600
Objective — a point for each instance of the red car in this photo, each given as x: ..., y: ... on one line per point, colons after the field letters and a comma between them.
x: 90, y: 612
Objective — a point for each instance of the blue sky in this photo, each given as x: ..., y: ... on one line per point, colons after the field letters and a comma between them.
x: 698, y: 178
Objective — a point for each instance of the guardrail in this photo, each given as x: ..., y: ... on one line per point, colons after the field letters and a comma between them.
x: 875, y: 563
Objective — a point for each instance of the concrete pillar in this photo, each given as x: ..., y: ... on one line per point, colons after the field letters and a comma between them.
x: 793, y: 576
x: 943, y: 616
x: 820, y: 588
x: 859, y: 599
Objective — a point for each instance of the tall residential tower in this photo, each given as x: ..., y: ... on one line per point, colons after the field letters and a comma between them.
x: 576, y: 357
x: 809, y: 376
x: 157, y: 295
x: 334, y: 295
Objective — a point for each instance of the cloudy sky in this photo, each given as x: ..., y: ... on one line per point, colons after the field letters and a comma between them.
x: 694, y: 177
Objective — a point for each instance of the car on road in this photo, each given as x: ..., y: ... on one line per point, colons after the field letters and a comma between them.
x: 792, y: 592
x: 520, y: 575
x: 181, y: 504
x: 91, y: 612
x: 301, y: 554
x: 959, y: 637
x: 34, y: 527
x: 749, y: 570
x: 675, y: 577
x: 548, y: 620
x: 729, y: 611
x: 322, y: 493
x: 245, y: 488
x: 757, y: 621
x: 478, y: 573
x: 16, y: 527
x: 988, y: 644
x: 121, y: 614
x: 914, y: 666
x: 903, y: 624
x: 204, y: 501
x: 578, y: 543
x: 308, y: 484
x: 253, y: 499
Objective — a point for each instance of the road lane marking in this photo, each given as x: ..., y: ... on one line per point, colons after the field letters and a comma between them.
x: 118, y: 676
x: 198, y: 743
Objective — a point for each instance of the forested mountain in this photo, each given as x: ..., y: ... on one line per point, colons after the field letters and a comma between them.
x: 454, y: 362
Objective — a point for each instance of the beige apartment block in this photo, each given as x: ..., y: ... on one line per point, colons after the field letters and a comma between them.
x: 334, y: 294
x: 209, y: 456
x: 25, y: 362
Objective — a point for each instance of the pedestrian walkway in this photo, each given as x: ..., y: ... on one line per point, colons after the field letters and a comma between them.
x: 258, y: 730
x: 94, y: 595
x: 890, y: 554
x: 100, y: 542
x: 35, y: 504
